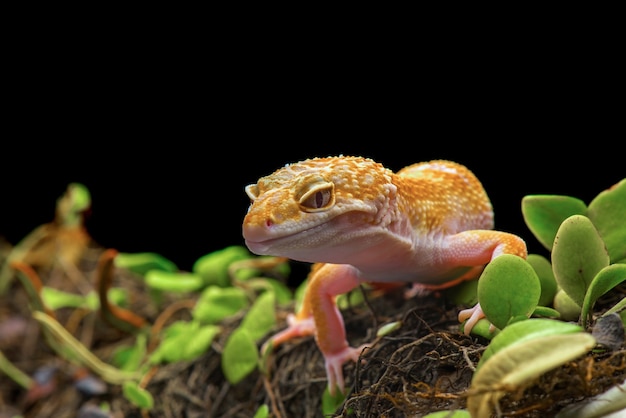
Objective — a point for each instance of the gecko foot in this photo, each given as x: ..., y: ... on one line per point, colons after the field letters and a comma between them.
x: 334, y: 366
x: 473, y: 315
x: 296, y: 328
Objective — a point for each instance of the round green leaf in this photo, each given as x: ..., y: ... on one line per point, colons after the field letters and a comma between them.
x: 543, y: 268
x: 577, y: 256
x: 608, y: 213
x: 173, y: 281
x: 261, y: 317
x: 508, y: 288
x: 605, y: 280
x: 240, y: 356
x: 141, y: 263
x: 213, y: 267
x: 544, y: 213
x: 216, y: 303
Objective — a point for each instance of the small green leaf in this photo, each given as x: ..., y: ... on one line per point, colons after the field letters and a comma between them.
x: 262, y: 412
x: 350, y: 299
x: 199, y: 342
x: 508, y: 288
x: 261, y: 318
x: 240, y: 356
x: 56, y: 299
x: 129, y: 358
x: 483, y: 329
x: 577, y: 256
x: 173, y: 281
x: 605, y: 280
x: 519, y: 364
x: 544, y: 214
x: 607, y: 212
x: 216, y: 303
x: 388, y: 328
x: 543, y: 268
x: 459, y: 413
x: 184, y: 341
x: 213, y: 267
x: 138, y: 396
x: 141, y: 263
x: 330, y: 403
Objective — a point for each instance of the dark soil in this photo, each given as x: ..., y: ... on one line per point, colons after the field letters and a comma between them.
x: 424, y: 366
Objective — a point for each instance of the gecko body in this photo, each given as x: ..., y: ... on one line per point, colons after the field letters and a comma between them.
x: 430, y: 224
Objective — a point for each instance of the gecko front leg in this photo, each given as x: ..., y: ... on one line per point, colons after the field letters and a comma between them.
x: 479, y: 247
x: 320, y: 316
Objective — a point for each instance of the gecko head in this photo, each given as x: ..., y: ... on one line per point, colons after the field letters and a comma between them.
x: 310, y: 210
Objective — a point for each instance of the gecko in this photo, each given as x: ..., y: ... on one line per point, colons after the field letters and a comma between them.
x: 430, y: 224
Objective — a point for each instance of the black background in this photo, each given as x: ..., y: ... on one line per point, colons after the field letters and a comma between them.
x: 166, y: 140
x: 185, y: 198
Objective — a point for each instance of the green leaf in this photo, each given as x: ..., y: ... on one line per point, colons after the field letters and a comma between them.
x: 544, y: 213
x: 577, y: 256
x: 216, y: 303
x: 138, y: 396
x: 283, y: 294
x: 330, y: 403
x: 184, y: 341
x: 608, y: 214
x: 544, y: 311
x: 240, y: 356
x: 200, y: 342
x: 483, y: 329
x: 605, y: 280
x: 459, y: 413
x: 526, y: 330
x: 173, y: 281
x: 463, y: 293
x: 262, y: 412
x: 519, y: 364
x: 566, y: 307
x: 56, y: 299
x: 261, y: 317
x: 213, y: 267
x: 141, y: 263
x: 543, y: 268
x: 388, y: 328
x: 508, y: 288
x: 129, y: 358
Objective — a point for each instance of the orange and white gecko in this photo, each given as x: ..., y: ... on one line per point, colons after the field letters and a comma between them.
x: 430, y: 224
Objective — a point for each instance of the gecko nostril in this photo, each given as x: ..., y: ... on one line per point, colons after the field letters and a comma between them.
x: 268, y: 222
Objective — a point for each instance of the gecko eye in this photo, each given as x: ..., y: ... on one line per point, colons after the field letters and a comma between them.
x: 318, y: 197
x: 252, y: 191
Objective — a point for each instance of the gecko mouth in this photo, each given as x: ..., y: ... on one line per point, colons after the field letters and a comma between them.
x: 259, y: 242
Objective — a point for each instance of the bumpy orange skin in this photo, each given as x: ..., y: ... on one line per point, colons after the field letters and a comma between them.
x: 430, y: 223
